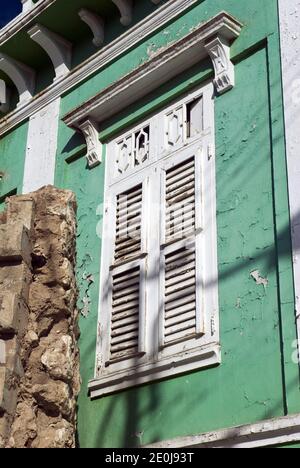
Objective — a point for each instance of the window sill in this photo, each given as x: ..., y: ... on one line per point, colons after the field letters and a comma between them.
x: 206, y: 356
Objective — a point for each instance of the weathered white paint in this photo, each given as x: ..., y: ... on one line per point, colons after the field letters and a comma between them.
x: 96, y: 24
x: 160, y: 357
x: 289, y: 19
x: 27, y: 5
x: 126, y: 8
x: 161, y: 67
x: 272, y: 432
x: 41, y: 148
x: 94, y: 147
x: 166, y: 13
x: 22, y: 76
x: 4, y: 97
x: 58, y: 48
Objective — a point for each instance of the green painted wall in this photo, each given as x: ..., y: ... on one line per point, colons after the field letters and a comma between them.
x: 12, y: 157
x: 257, y: 378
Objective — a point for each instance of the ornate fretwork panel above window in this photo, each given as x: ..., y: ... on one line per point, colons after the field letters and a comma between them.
x: 133, y: 150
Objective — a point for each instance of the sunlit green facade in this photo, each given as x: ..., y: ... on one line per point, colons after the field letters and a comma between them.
x: 257, y: 379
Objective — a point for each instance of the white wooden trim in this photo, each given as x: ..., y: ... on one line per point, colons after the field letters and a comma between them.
x: 23, y: 20
x: 271, y: 432
x: 27, y: 5
x: 163, y: 15
x: 163, y: 66
x: 137, y: 375
x: 41, y: 148
x: 199, y: 351
x: 290, y: 59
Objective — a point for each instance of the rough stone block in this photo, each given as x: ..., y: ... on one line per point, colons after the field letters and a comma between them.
x: 13, y: 360
x: 4, y: 430
x: 15, y: 278
x: 20, y: 209
x: 13, y: 313
x: 14, y: 243
x: 8, y: 391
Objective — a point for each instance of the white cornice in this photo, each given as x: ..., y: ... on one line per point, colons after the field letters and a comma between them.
x: 272, y: 432
x: 23, y: 20
x: 100, y: 59
x: 167, y: 63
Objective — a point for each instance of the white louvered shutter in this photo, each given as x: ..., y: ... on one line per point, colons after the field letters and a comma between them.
x: 158, y: 311
x: 181, y: 227
x: 127, y: 277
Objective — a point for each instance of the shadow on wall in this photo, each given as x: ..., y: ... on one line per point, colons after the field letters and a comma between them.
x: 277, y: 247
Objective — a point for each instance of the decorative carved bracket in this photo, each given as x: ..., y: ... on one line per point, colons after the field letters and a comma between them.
x: 22, y: 76
x: 95, y: 23
x: 125, y: 8
x: 4, y: 97
x: 219, y: 52
x: 27, y: 5
x: 94, y: 147
x: 58, y: 49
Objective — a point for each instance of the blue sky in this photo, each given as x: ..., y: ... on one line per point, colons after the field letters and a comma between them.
x: 8, y: 10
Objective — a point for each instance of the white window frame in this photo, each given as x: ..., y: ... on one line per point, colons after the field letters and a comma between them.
x: 155, y: 362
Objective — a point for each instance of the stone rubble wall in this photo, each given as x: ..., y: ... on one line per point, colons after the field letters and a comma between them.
x: 39, y: 358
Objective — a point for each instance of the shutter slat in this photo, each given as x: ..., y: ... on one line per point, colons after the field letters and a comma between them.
x: 178, y: 283
x: 186, y: 181
x: 118, y: 322
x: 128, y: 223
x: 125, y: 306
x: 190, y: 306
x: 180, y: 200
x: 119, y: 336
x: 128, y: 298
x: 124, y: 314
x: 121, y: 284
x: 186, y: 190
x: 178, y: 177
x: 182, y: 335
x: 174, y: 171
x: 124, y: 333
x: 180, y: 270
x: 180, y: 302
x: 180, y: 325
x: 170, y: 297
x: 125, y: 291
x: 180, y: 257
x: 180, y: 265
x: 134, y: 206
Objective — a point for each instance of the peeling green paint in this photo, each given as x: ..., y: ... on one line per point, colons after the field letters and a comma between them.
x: 257, y: 379
x: 254, y: 381
x: 12, y: 158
